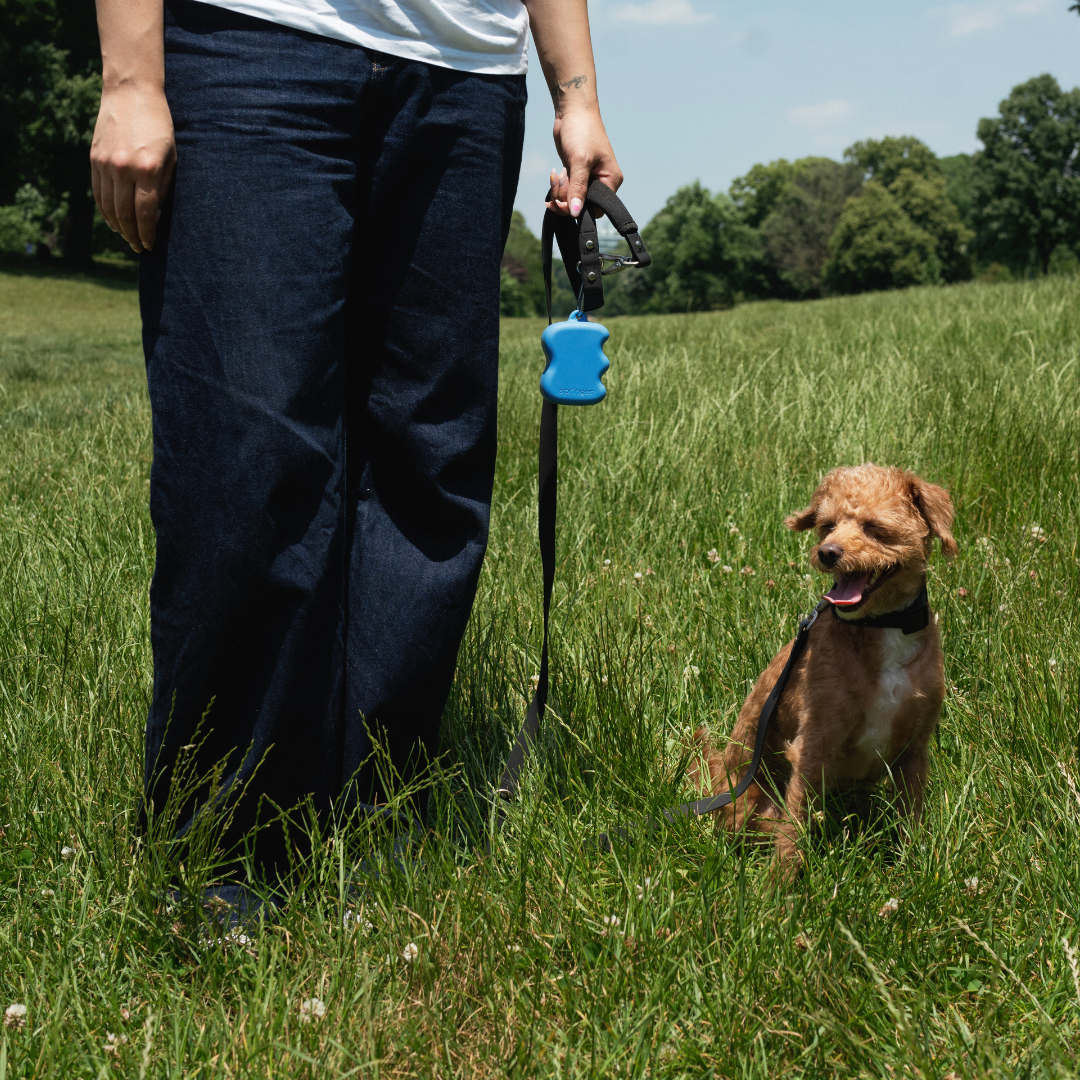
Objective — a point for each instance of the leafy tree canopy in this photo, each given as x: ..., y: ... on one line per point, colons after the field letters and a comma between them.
x: 1026, y: 179
x: 925, y: 200
x: 796, y: 232
x: 755, y: 194
x: 957, y: 173
x: 884, y: 159
x: 876, y: 245
x: 50, y: 85
x: 701, y: 248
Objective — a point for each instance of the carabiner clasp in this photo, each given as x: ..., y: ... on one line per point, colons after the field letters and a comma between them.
x: 618, y: 263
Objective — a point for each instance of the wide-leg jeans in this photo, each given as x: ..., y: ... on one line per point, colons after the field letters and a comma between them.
x: 321, y: 330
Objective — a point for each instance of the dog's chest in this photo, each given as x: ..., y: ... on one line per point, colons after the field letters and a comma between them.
x: 893, y: 689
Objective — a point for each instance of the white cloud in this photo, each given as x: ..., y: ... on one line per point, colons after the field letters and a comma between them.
x: 964, y: 19
x: 663, y: 13
x: 824, y: 115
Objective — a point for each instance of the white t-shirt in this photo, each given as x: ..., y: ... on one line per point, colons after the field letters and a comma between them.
x: 487, y: 37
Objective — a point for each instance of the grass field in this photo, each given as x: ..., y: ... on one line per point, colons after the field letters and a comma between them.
x: 715, y: 427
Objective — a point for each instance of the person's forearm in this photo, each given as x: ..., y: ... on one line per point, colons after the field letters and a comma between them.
x: 132, y: 36
x: 134, y: 149
x: 560, y: 29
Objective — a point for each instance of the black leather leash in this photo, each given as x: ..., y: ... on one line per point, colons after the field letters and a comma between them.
x: 584, y: 264
x: 585, y: 267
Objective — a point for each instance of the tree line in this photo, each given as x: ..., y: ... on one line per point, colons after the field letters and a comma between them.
x: 890, y: 215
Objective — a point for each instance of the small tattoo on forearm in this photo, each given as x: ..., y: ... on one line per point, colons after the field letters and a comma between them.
x: 577, y: 82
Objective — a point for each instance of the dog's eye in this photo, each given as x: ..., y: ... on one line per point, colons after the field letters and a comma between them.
x: 872, y: 528
x: 827, y: 527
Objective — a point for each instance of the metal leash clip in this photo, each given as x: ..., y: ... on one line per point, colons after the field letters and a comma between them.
x: 618, y: 263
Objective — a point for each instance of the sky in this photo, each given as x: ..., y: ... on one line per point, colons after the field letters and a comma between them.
x: 704, y: 89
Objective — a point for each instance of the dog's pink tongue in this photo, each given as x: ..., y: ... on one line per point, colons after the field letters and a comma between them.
x: 848, y: 590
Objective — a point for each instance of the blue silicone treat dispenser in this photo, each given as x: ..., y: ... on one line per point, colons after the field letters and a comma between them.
x: 575, y: 362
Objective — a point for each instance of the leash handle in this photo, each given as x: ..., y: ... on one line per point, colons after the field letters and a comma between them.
x: 579, y: 246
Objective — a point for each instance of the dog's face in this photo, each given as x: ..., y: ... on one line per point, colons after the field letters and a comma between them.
x: 875, y: 528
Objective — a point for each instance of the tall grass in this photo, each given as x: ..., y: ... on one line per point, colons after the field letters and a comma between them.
x: 669, y: 956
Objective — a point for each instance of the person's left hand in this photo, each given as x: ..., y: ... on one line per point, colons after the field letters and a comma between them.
x: 585, y: 150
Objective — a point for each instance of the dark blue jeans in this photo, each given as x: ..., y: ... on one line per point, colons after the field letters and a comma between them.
x: 321, y: 332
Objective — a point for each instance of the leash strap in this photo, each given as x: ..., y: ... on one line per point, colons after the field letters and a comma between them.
x: 580, y: 251
x: 768, y: 710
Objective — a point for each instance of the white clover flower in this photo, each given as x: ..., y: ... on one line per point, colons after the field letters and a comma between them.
x: 642, y: 889
x: 513, y: 948
x: 713, y: 556
x: 410, y: 952
x: 734, y: 530
x: 806, y: 577
x: 890, y: 907
x: 747, y: 570
x: 650, y: 572
x: 15, y: 1016
x: 611, y: 920
x: 1038, y: 534
x: 691, y: 670
x: 113, y: 1043
x: 607, y: 562
x: 67, y: 853
x: 648, y: 621
x: 638, y: 575
x: 1052, y: 663
x: 726, y: 569
x: 311, y: 1009
x: 48, y: 894
x: 983, y: 542
x: 971, y: 886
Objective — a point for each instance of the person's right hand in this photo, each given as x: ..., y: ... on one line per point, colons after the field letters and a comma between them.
x: 132, y: 159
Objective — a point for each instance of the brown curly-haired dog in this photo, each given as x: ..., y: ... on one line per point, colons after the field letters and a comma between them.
x: 861, y: 702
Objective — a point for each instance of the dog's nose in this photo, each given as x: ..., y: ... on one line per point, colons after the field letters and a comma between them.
x: 829, y: 554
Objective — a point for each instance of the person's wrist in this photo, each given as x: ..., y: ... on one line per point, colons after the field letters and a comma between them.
x: 589, y: 109
x: 132, y: 82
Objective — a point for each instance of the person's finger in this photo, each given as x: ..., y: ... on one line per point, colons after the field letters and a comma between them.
x: 147, y: 212
x: 107, y: 202
x: 577, y: 185
x: 124, y: 204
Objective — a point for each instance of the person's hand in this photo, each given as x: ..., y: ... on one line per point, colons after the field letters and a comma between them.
x: 132, y: 159
x: 583, y: 145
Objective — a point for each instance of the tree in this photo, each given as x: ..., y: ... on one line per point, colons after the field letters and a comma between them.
x: 926, y: 202
x: 884, y: 159
x: 876, y: 245
x: 797, y: 230
x: 701, y: 249
x: 50, y: 85
x: 755, y: 194
x: 1026, y: 179
x: 957, y: 173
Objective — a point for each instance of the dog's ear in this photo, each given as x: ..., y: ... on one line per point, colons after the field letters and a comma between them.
x: 803, y: 520
x: 936, y: 507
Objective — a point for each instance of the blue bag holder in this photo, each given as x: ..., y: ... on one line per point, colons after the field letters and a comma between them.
x: 575, y: 361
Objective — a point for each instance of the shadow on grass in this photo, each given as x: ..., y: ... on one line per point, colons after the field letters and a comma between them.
x: 112, y: 272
